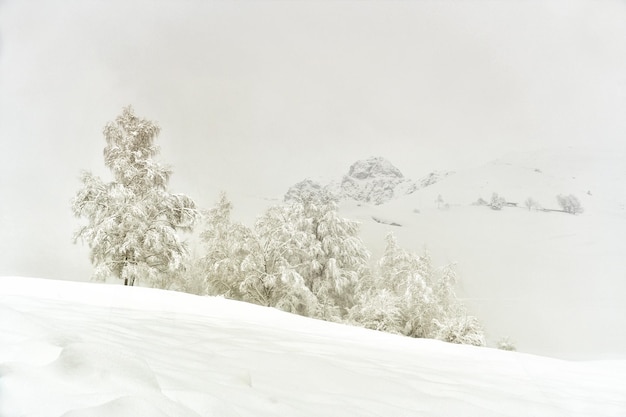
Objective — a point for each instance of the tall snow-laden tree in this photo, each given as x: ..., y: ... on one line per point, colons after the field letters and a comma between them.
x: 228, y: 245
x: 407, y: 279
x: 272, y: 270
x: 257, y: 265
x: 335, y: 256
x: 452, y: 322
x: 300, y: 256
x: 132, y: 221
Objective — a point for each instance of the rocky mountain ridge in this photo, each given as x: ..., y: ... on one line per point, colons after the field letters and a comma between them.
x: 373, y: 180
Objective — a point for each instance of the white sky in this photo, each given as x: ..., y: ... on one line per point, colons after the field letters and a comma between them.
x: 255, y: 96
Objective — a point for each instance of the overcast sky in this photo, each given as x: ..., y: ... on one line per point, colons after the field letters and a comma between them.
x: 255, y: 96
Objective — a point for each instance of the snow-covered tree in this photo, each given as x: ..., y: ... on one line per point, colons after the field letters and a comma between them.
x: 409, y: 276
x: 462, y: 329
x: 191, y: 279
x: 569, y: 203
x: 227, y: 245
x: 256, y: 265
x: 300, y: 256
x: 132, y: 221
x: 402, y: 284
x: 377, y: 309
x: 271, y: 271
x: 406, y: 295
x: 532, y: 204
x: 506, y: 344
x: 452, y: 322
x: 497, y: 202
x: 334, y: 255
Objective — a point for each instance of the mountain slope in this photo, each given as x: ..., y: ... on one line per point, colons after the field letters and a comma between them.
x: 550, y: 280
x: 79, y: 349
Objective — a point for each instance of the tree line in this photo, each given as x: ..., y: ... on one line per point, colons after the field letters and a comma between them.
x: 300, y: 256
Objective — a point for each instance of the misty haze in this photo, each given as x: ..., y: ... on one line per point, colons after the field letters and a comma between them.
x: 244, y: 208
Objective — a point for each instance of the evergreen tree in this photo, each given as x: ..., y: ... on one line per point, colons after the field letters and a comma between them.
x: 408, y: 276
x: 132, y: 221
x: 452, y: 322
x: 227, y: 245
x: 335, y: 257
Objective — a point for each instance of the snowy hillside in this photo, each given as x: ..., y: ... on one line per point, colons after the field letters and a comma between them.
x: 90, y: 350
x: 550, y: 280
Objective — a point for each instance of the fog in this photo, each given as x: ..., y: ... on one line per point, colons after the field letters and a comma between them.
x: 255, y: 96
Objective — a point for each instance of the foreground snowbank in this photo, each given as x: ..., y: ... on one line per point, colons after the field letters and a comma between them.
x: 81, y: 349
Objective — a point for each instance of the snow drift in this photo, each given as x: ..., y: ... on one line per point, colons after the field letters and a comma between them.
x: 80, y: 349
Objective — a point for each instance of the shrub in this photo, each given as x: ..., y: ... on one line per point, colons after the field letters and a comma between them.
x: 532, y: 204
x: 497, y: 202
x: 506, y: 344
x: 569, y: 203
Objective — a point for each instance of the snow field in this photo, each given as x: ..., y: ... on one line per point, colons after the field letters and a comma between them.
x: 81, y: 349
x: 551, y: 281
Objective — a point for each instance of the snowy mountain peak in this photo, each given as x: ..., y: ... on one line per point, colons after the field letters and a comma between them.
x: 374, y: 167
x: 375, y: 180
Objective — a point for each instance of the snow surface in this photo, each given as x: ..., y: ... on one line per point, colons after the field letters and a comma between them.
x: 93, y: 350
x: 553, y: 282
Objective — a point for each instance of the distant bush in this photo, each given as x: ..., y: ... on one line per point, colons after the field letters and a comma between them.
x: 480, y: 202
x: 461, y: 329
x: 532, y: 204
x: 506, y: 344
x: 497, y: 202
x: 569, y: 203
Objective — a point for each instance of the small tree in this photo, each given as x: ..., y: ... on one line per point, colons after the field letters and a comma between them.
x: 506, y: 344
x: 532, y: 204
x: 227, y: 245
x: 569, y: 203
x: 462, y: 329
x: 398, y: 298
x: 439, y: 201
x: 452, y: 322
x: 497, y: 202
x: 132, y: 222
x: 407, y: 296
